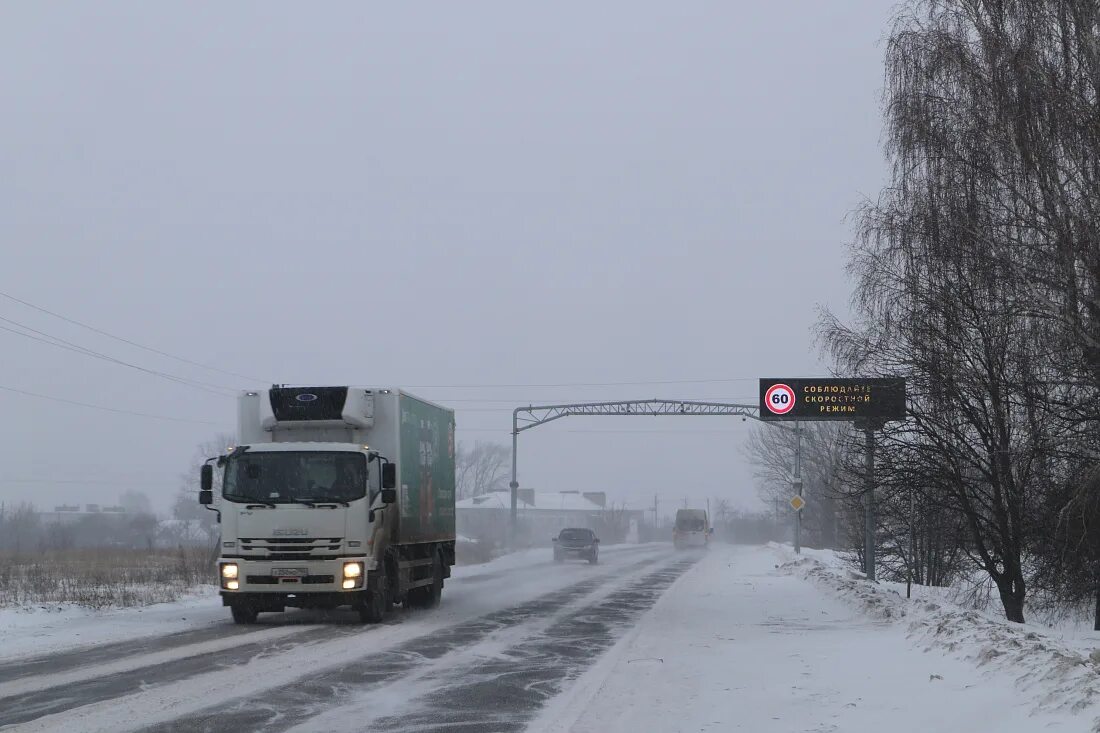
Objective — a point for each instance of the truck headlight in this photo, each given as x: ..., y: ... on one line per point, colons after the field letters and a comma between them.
x: 232, y: 584
x: 353, y: 569
x: 229, y: 571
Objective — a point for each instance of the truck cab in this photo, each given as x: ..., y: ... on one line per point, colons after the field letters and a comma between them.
x: 335, y: 496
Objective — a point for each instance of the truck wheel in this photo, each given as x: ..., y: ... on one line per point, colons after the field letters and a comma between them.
x: 434, y: 592
x: 375, y: 601
x: 243, y: 613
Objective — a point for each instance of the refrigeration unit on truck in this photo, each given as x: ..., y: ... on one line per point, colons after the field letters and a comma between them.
x: 334, y: 496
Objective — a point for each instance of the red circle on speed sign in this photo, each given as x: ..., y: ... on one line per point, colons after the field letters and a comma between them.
x: 779, y: 399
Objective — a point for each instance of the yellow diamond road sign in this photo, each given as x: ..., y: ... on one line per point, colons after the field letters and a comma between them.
x: 797, y: 502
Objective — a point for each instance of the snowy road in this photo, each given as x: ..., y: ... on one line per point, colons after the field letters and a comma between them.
x: 507, y: 637
x: 649, y: 640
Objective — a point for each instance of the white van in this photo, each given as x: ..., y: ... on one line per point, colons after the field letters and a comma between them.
x: 692, y: 529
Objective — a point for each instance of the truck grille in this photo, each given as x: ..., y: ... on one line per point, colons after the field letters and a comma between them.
x: 307, y: 580
x: 291, y: 548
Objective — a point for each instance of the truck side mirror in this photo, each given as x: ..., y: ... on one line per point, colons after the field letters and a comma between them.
x: 389, y: 476
x: 389, y: 496
x: 206, y: 485
x: 553, y: 539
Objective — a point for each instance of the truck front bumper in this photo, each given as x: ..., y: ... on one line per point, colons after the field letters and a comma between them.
x: 341, y: 580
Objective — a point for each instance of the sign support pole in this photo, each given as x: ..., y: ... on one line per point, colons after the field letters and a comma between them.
x: 869, y: 506
x: 798, y: 487
x: 912, y: 546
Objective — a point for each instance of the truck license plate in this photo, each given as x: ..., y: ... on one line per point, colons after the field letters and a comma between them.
x: 289, y: 572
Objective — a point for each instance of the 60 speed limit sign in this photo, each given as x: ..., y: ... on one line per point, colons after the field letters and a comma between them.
x: 779, y: 399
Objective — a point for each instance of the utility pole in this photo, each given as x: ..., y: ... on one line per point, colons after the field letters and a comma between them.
x: 514, y: 484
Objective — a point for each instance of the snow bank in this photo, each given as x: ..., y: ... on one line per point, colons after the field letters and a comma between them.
x: 1054, y: 676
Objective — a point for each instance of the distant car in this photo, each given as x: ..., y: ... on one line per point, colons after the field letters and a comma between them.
x: 577, y: 542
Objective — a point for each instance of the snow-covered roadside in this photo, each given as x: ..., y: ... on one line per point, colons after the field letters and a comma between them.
x: 740, y: 643
x: 1054, y: 676
x: 46, y: 628
x: 41, y: 629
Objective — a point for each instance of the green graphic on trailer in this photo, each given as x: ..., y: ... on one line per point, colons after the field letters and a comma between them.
x: 427, y: 472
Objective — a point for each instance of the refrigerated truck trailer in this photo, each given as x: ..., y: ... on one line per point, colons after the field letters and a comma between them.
x: 334, y: 496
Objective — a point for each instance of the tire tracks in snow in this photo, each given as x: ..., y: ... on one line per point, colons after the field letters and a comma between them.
x: 501, y: 693
x: 95, y: 656
x: 26, y: 699
x: 283, y: 707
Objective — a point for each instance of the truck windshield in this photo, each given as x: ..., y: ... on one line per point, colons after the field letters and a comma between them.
x: 292, y: 476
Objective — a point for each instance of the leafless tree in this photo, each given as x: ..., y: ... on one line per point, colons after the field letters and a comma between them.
x: 481, y: 469
x: 135, y: 502
x: 20, y: 527
x: 186, y: 507
x: 772, y: 451
x: 977, y: 274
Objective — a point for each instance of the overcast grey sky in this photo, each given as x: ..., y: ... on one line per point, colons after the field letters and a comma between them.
x: 424, y: 194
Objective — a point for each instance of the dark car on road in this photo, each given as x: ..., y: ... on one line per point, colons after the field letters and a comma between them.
x: 577, y: 542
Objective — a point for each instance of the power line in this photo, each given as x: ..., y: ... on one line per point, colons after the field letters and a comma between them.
x: 504, y: 431
x: 554, y: 400
x: 584, y: 384
x: 97, y: 482
x: 668, y: 432
x: 60, y: 343
x: 135, y: 344
x: 105, y: 408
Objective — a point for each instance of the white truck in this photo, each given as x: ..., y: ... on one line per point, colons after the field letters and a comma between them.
x: 334, y: 496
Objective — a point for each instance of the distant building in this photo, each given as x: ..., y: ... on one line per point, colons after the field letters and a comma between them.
x: 71, y: 513
x: 540, y: 514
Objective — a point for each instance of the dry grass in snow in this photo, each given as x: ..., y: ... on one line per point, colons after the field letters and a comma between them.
x: 102, y: 578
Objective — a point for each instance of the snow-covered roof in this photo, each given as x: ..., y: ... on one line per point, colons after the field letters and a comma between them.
x: 570, y: 501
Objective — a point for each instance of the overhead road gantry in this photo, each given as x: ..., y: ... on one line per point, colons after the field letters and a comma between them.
x: 525, y: 418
